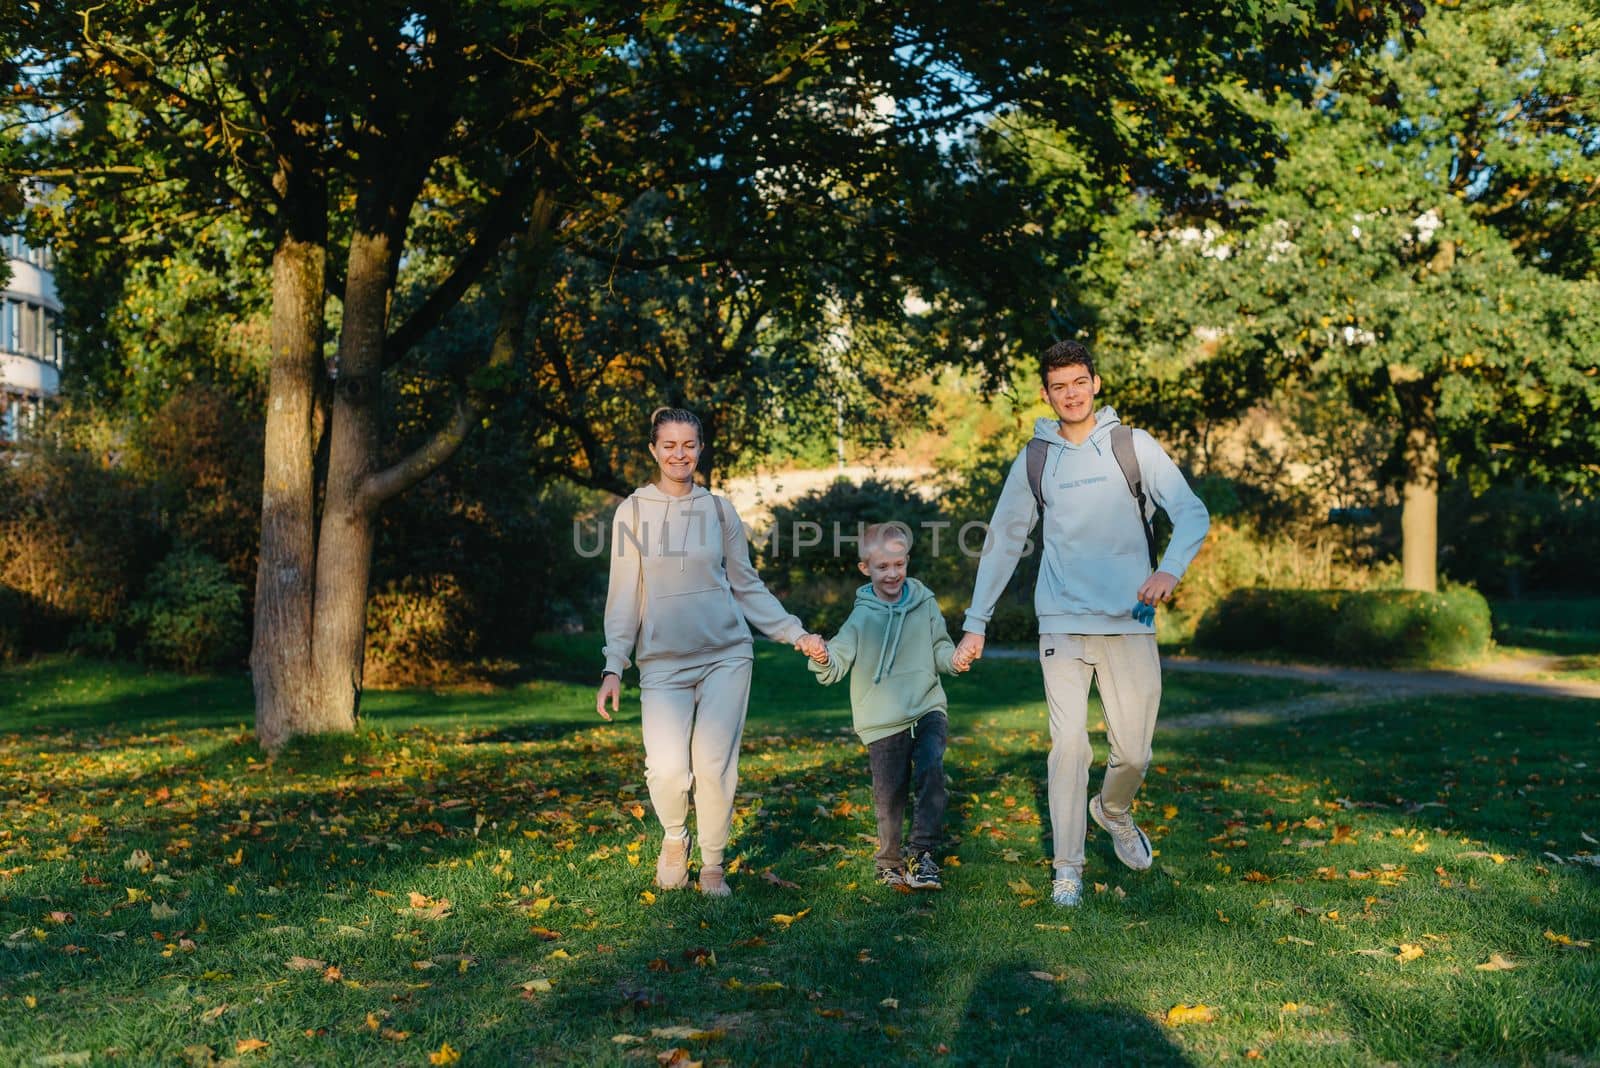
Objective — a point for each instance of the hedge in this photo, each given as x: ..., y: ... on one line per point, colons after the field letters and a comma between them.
x: 1387, y: 627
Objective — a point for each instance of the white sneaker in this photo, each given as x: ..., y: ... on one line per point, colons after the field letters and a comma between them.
x: 1067, y: 888
x: 1132, y: 847
x: 672, y: 866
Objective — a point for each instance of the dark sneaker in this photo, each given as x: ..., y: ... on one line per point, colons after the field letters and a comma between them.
x: 1132, y: 847
x: 893, y: 878
x: 924, y: 874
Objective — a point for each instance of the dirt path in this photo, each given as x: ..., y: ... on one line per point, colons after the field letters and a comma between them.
x: 754, y: 496
x: 1510, y: 676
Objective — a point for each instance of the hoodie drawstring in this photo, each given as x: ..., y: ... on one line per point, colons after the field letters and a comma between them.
x: 887, y: 653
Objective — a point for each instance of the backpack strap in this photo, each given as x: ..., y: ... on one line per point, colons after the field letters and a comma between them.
x: 722, y: 519
x: 1122, y: 449
x: 1038, y: 452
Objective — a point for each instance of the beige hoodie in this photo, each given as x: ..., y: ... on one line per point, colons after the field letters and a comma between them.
x: 682, y: 585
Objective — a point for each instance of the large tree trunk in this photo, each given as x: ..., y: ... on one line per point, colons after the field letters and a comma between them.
x: 280, y: 653
x: 349, y: 512
x: 1419, y: 512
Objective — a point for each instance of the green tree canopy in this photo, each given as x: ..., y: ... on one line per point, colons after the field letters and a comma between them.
x: 820, y: 147
x: 1419, y: 257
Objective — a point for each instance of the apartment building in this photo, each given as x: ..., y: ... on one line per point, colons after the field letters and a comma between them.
x: 30, y: 336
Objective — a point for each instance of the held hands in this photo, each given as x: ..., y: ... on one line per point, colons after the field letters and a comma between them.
x: 969, y: 649
x: 813, y: 646
x: 610, y: 689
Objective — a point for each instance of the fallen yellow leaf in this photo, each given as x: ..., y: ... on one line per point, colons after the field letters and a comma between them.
x: 647, y: 897
x: 1190, y: 1014
x: 1566, y: 940
x: 1496, y: 963
x: 1408, y: 952
x: 783, y: 919
x: 676, y: 1057
x: 445, y: 1054
x: 249, y: 1045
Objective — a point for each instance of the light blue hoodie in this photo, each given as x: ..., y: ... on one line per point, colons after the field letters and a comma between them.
x: 1095, y: 557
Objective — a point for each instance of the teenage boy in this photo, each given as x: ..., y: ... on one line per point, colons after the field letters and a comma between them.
x: 1097, y: 486
x: 893, y: 647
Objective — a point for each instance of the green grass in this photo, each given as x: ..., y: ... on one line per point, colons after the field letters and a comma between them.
x: 1564, y: 627
x: 1294, y: 862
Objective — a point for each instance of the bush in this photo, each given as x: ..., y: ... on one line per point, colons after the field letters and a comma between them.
x: 1235, y: 557
x: 1388, y: 627
x: 848, y: 507
x: 418, y: 632
x: 191, y: 614
x: 75, y: 538
x: 201, y: 456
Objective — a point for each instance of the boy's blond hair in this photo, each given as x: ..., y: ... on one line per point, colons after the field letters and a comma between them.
x: 878, y: 535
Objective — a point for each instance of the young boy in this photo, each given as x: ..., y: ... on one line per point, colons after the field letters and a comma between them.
x: 893, y: 646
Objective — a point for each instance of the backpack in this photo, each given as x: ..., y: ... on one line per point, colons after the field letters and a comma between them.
x: 1122, y: 449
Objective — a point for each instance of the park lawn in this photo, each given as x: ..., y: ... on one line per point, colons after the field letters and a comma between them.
x: 473, y: 869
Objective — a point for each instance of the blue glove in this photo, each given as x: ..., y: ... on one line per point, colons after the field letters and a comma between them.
x: 1144, y: 613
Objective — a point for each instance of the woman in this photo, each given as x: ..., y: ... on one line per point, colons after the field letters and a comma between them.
x: 681, y: 589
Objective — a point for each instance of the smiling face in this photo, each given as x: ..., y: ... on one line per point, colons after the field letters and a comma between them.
x: 885, y: 567
x: 677, y: 451
x: 1070, y: 391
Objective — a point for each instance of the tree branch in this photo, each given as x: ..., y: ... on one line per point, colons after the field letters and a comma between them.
x: 496, y: 225
x: 383, y: 485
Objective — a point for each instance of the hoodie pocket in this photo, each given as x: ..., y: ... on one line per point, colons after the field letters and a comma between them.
x: 694, y: 621
x: 1091, y: 585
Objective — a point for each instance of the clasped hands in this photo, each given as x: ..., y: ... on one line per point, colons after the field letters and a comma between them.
x: 814, y: 646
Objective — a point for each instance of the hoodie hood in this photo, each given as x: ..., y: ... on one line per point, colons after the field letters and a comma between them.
x: 912, y: 594
x: 1050, y: 430
x: 651, y: 492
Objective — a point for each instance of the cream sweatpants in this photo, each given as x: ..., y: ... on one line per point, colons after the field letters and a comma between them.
x: 1127, y: 669
x: 693, y: 721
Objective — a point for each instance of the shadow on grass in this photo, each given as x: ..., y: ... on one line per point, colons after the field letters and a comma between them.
x: 1015, y: 1016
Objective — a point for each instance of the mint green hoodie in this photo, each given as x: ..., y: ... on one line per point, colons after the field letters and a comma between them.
x: 896, y: 651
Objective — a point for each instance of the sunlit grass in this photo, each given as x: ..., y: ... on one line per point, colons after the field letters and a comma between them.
x: 1296, y: 861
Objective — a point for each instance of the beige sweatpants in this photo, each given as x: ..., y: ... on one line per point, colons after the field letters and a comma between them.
x: 693, y: 721
x: 1127, y: 669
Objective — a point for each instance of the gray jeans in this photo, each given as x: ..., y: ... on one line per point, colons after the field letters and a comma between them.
x: 912, y: 759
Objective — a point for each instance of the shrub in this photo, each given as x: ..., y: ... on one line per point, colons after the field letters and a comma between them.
x: 849, y: 506
x: 1235, y: 557
x: 191, y: 614
x: 75, y: 538
x: 201, y: 455
x: 1390, y: 627
x: 418, y: 632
